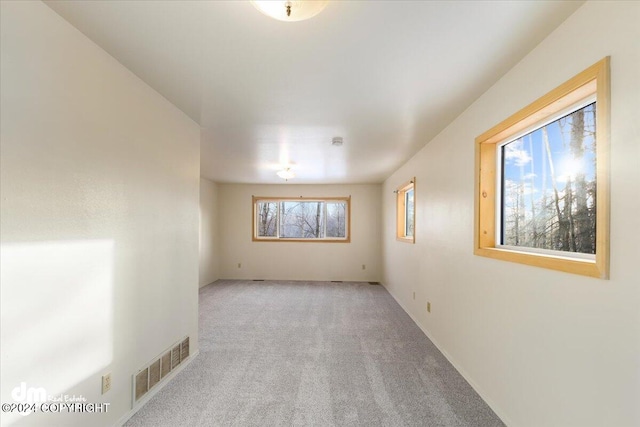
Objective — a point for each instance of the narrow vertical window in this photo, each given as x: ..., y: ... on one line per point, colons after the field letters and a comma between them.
x: 267, y: 220
x: 406, y: 212
x: 336, y: 219
x: 409, y: 213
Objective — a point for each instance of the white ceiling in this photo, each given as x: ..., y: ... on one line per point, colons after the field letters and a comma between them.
x: 387, y: 76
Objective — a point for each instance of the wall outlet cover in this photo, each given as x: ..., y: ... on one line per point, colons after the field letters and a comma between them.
x: 106, y: 383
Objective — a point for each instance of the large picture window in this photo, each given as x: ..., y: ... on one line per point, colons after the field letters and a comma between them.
x: 548, y: 185
x: 542, y: 180
x: 303, y: 219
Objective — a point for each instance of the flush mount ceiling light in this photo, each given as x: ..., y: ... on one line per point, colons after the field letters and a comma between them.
x: 290, y: 11
x: 286, y: 174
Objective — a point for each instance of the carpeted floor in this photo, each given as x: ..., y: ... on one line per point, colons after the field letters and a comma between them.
x: 281, y: 353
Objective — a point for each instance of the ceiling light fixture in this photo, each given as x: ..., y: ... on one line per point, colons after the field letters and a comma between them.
x: 290, y: 11
x: 286, y: 174
x: 337, y: 140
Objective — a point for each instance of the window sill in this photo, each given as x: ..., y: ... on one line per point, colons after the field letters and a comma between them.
x: 406, y: 239
x: 284, y: 240
x: 584, y: 267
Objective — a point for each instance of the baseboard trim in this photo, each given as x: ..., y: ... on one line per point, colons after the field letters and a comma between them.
x: 494, y: 407
x: 156, y: 389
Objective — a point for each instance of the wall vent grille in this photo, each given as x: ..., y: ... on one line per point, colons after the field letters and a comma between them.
x: 175, y: 356
x: 142, y: 383
x: 184, y: 349
x: 155, y: 371
x: 165, y: 364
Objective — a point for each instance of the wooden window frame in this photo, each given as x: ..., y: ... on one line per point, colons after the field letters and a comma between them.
x: 593, y: 80
x: 254, y: 229
x: 401, y: 212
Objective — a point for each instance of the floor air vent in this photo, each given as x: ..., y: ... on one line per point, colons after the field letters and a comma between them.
x: 152, y: 374
x: 374, y: 283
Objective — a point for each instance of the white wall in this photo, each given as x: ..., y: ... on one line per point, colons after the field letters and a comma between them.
x: 209, y: 246
x: 544, y: 348
x: 99, y: 218
x: 295, y: 260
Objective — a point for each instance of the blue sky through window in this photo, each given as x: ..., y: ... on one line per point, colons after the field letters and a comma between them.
x: 548, y: 185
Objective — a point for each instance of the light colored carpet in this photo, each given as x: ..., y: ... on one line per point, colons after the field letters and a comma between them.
x: 312, y: 354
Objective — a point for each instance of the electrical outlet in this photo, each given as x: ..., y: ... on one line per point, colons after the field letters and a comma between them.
x: 414, y: 295
x: 239, y: 265
x: 106, y: 383
x: 428, y: 307
x: 364, y: 267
